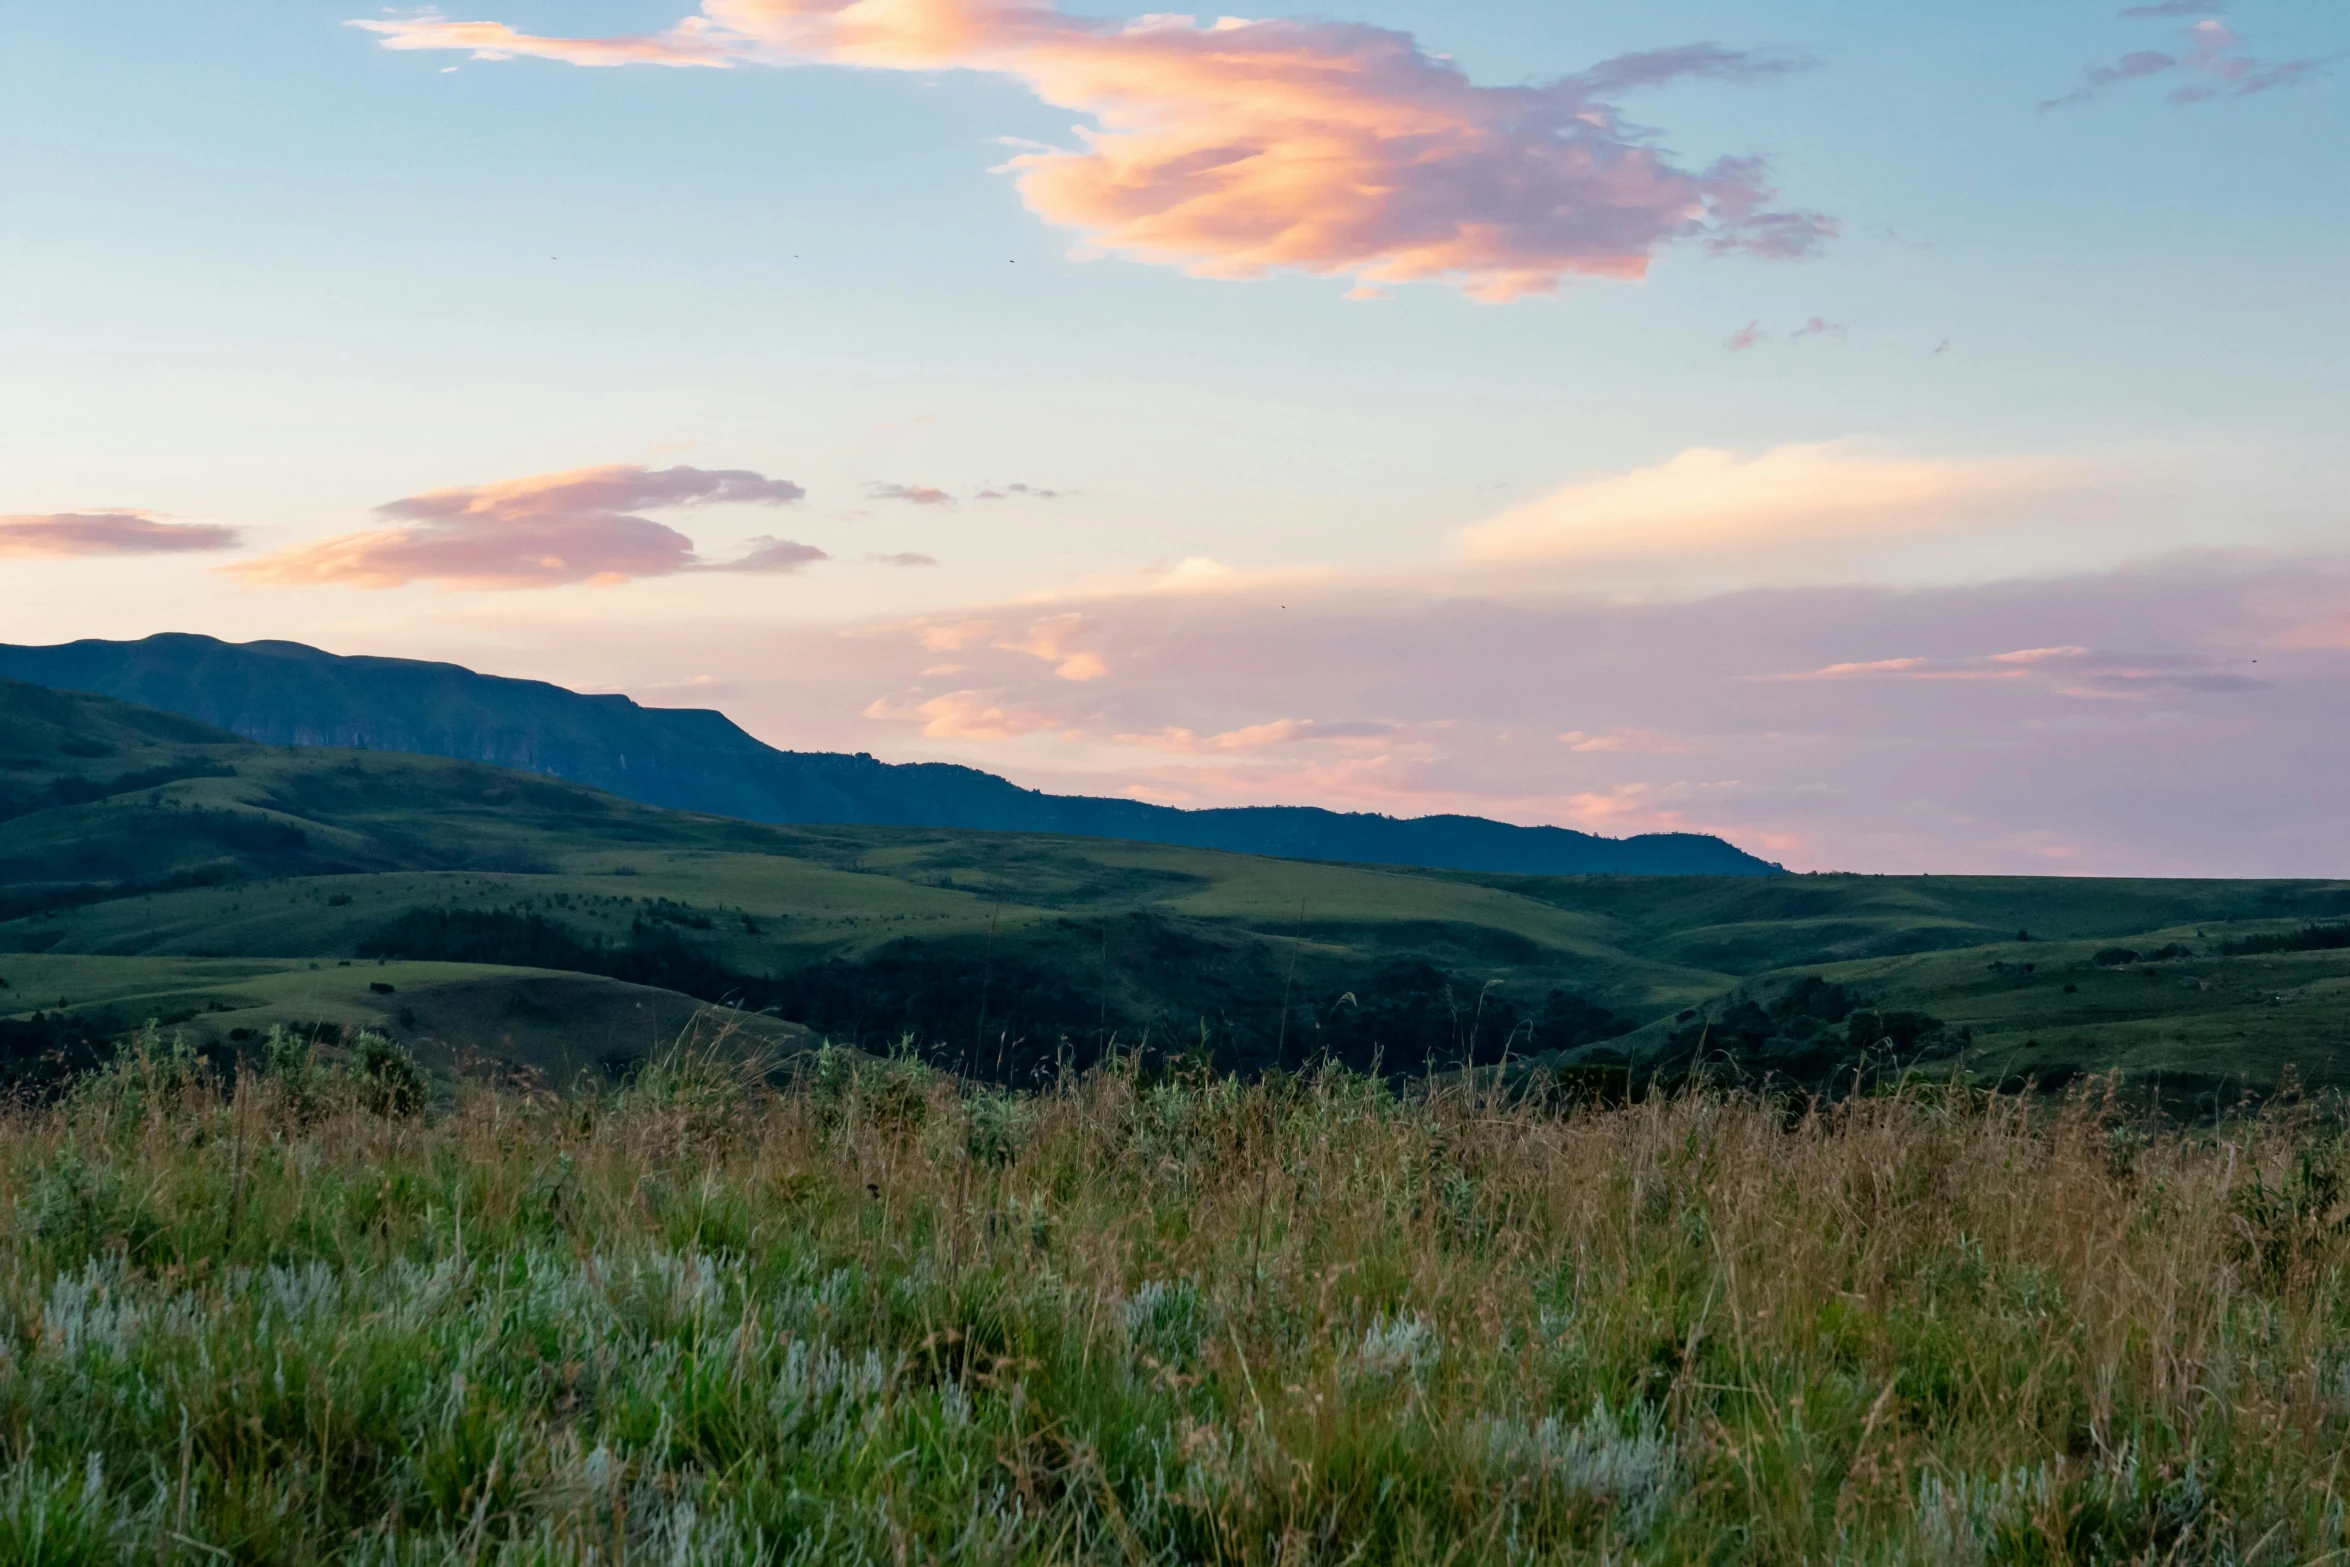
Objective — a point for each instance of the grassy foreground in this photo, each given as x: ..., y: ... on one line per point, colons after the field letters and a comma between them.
x: 873, y: 1316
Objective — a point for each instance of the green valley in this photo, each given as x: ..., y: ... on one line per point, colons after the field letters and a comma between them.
x: 152, y: 868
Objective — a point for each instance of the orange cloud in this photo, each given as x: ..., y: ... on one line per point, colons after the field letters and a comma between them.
x: 1706, y: 499
x: 1255, y: 737
x: 497, y: 41
x: 1049, y: 640
x: 917, y: 494
x: 954, y: 636
x: 1642, y: 742
x: 964, y: 715
x: 71, y: 535
x: 544, y: 531
x: 1235, y: 148
x: 2084, y: 672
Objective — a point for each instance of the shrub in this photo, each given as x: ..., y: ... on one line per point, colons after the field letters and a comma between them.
x: 390, y: 1081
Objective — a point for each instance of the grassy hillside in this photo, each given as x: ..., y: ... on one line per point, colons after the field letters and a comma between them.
x: 533, y: 1025
x: 877, y: 1316
x: 136, y: 835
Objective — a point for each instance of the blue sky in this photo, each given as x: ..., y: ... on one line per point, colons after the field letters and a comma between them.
x: 258, y: 272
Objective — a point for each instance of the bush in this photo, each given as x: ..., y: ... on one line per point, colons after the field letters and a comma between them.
x: 390, y: 1081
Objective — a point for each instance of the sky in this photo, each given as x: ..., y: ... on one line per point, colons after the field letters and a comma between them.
x: 1895, y: 438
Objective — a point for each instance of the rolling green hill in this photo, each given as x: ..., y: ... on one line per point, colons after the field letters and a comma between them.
x: 134, y: 838
x: 542, y: 1027
x: 285, y: 693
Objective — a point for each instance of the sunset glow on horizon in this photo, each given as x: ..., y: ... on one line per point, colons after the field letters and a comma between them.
x: 1895, y: 442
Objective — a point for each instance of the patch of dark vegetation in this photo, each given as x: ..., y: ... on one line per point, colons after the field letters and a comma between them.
x: 1807, y: 1034
x: 662, y: 911
x: 2309, y: 938
x: 985, y: 1008
x: 650, y: 956
x: 2116, y: 957
x: 1410, y: 1016
x: 23, y: 902
x: 73, y: 790
x: 1008, y: 1017
x: 40, y: 1054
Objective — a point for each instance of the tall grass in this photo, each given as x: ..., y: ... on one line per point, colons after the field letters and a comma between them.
x: 873, y: 1316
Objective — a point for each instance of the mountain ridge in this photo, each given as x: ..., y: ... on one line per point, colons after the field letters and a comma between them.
x: 288, y: 693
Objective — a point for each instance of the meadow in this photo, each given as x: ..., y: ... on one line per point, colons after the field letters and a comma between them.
x: 152, y: 868
x: 861, y: 1311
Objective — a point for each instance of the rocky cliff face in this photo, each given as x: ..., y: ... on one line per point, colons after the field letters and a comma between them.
x: 284, y: 693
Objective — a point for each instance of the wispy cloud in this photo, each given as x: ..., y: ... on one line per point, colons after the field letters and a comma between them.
x: 903, y: 558
x: 2069, y: 671
x: 1259, y: 737
x: 769, y: 553
x: 544, y: 531
x: 2211, y: 61
x: 1705, y: 499
x: 913, y: 494
x: 965, y: 715
x: 67, y: 535
x: 1820, y: 326
x: 1234, y: 148
x: 1744, y: 338
x: 1027, y: 491
x: 1637, y: 742
x: 1053, y: 640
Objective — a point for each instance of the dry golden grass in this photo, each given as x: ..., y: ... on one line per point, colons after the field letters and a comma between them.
x: 876, y: 1315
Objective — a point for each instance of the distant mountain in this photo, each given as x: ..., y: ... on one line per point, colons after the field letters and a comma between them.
x: 284, y: 693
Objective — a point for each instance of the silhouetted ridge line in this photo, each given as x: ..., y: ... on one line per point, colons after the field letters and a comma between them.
x: 285, y: 693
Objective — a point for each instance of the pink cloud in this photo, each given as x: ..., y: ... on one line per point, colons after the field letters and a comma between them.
x: 768, y: 553
x: 903, y: 558
x: 497, y: 41
x: 2077, y: 671
x: 544, y: 531
x: 1705, y: 502
x: 916, y: 494
x: 965, y: 715
x: 1644, y: 742
x: 1880, y: 666
x: 2210, y: 54
x: 1051, y: 640
x: 70, y: 535
x: 1820, y: 326
x: 1256, y: 737
x: 1236, y: 148
x: 1744, y: 338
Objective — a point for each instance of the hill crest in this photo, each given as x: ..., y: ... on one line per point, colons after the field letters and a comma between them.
x: 287, y: 693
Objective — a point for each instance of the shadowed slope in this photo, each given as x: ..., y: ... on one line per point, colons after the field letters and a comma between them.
x: 283, y: 693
